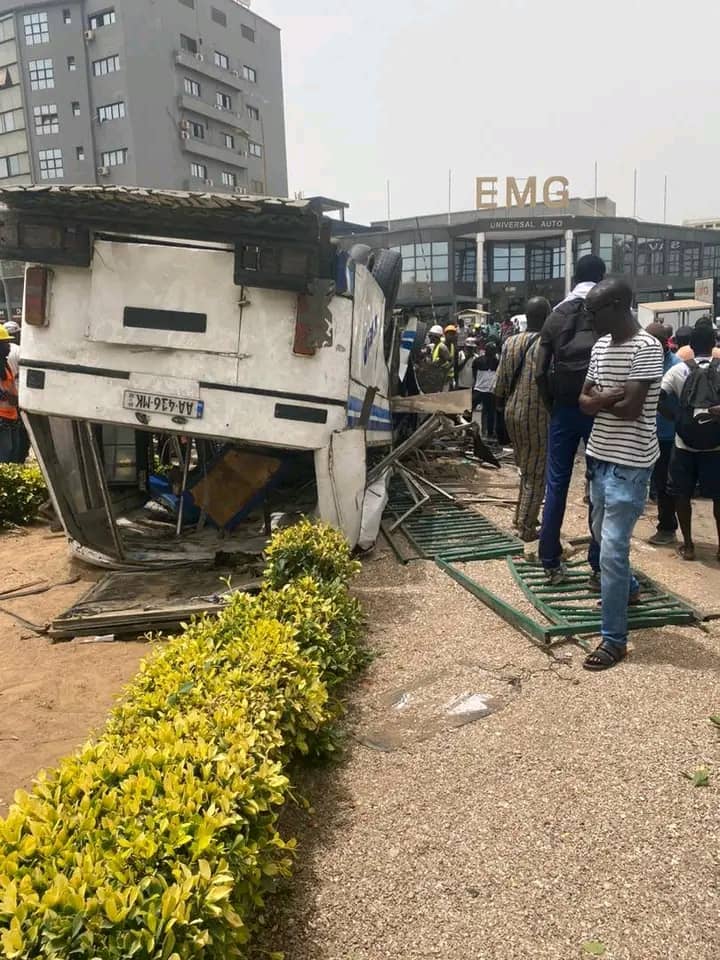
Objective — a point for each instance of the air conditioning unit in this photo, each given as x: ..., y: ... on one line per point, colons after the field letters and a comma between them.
x: 209, y: 183
x: 184, y: 124
x: 184, y: 134
x: 200, y: 57
x: 89, y: 34
x: 235, y: 73
x: 103, y: 171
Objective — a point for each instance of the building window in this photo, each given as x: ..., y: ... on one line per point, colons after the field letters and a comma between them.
x: 250, y: 74
x: 67, y: 16
x: 98, y: 20
x: 423, y: 262
x: 546, y: 260
x: 192, y: 88
x: 691, y: 260
x: 229, y: 141
x: 36, y: 28
x: 673, y: 258
x: 71, y: 64
x: 76, y: 108
x: 46, y: 119
x: 80, y: 153
x: 223, y: 101
x: 508, y: 262
x: 465, y: 261
x: 253, y: 113
x: 10, y: 166
x: 111, y: 111
x: 618, y: 252
x: 188, y: 3
x: 7, y: 28
x: 221, y: 61
x: 650, y: 257
x: 114, y: 158
x: 255, y: 149
x: 188, y: 44
x: 257, y: 187
x: 106, y: 65
x: 711, y: 261
x: 11, y: 120
x: 248, y: 33
x: 197, y: 130
x: 583, y: 246
x: 229, y: 179
x: 42, y: 75
x: 198, y: 171
x: 218, y: 16
x: 51, y: 164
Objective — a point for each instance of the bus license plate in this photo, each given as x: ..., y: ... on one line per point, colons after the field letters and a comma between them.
x: 169, y: 406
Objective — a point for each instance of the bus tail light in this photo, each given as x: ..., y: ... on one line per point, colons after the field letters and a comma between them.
x: 37, y: 296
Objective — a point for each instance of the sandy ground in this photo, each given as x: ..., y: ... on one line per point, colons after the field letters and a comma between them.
x: 561, y: 818
x: 51, y: 696
x: 560, y: 821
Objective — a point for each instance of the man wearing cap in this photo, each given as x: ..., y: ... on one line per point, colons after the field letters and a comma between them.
x: 466, y: 356
x: 452, y: 347
x: 13, y: 329
x: 667, y: 518
x: 8, y: 402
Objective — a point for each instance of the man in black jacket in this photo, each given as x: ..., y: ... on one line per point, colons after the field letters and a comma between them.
x: 566, y: 342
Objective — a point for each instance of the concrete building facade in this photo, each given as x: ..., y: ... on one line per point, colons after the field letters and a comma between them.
x: 180, y: 94
x: 499, y: 258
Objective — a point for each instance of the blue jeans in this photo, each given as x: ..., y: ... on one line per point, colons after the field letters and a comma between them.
x: 618, y: 497
x: 8, y: 441
x: 568, y: 426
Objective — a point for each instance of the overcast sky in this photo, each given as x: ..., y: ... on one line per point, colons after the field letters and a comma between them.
x: 404, y: 90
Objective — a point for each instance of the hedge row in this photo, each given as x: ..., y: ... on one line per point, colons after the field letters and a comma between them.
x: 22, y: 493
x: 159, y: 839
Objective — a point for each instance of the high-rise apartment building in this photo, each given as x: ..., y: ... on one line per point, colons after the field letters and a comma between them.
x: 181, y: 94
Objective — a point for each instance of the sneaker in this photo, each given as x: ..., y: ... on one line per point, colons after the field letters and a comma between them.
x: 662, y: 538
x: 556, y: 575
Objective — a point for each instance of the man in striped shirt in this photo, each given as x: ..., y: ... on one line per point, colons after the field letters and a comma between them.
x: 622, y: 392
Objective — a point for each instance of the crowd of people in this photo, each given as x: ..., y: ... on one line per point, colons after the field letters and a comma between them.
x: 645, y: 403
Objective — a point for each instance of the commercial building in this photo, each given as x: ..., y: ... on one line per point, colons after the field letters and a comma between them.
x: 181, y: 94
x: 501, y: 257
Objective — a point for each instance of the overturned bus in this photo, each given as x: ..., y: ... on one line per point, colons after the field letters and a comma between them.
x: 229, y: 330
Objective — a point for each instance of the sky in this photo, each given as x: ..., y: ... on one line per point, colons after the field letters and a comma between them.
x: 407, y: 90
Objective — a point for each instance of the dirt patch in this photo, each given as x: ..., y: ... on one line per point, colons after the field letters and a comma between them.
x: 51, y: 696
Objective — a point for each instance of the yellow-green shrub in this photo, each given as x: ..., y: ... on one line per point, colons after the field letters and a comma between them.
x: 309, y: 549
x: 159, y: 840
x: 22, y: 492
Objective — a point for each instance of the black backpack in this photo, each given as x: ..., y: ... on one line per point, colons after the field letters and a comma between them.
x: 695, y: 427
x: 571, y: 352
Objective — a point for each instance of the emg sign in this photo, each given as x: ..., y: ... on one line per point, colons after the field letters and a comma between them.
x: 555, y: 192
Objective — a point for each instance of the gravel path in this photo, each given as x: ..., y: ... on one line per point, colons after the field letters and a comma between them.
x: 560, y: 819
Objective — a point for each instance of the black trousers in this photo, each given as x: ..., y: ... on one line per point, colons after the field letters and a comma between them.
x: 667, y: 519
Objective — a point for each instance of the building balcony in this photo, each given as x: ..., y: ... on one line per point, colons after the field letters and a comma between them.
x: 201, y: 148
x: 228, y: 117
x: 206, y: 68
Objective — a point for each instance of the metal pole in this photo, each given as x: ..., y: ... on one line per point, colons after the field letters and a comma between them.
x: 388, y: 205
x: 6, y: 293
x: 635, y: 192
x: 596, y: 186
x: 103, y: 487
x: 665, y: 200
x: 181, y: 504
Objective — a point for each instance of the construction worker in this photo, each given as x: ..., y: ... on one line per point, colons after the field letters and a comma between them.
x: 451, y: 335
x: 8, y: 401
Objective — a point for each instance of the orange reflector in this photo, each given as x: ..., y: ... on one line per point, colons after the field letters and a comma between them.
x: 37, y: 285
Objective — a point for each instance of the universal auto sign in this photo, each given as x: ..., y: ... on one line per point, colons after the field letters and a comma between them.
x: 555, y: 192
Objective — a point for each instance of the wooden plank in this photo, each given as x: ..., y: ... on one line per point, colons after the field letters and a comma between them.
x: 454, y: 402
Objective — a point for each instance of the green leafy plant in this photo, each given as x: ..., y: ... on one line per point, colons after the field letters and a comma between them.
x: 159, y: 840
x: 309, y: 549
x: 699, y: 777
x: 22, y: 492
